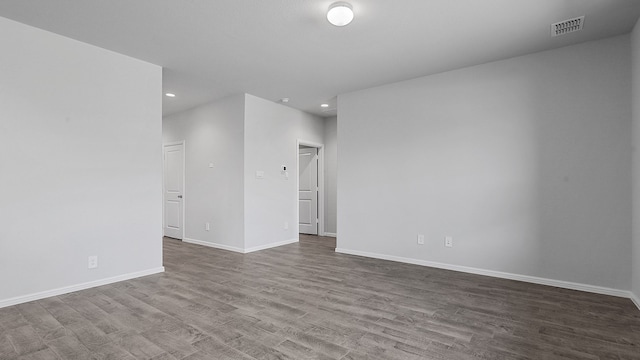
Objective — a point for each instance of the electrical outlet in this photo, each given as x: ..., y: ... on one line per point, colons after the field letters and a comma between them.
x: 92, y: 262
x: 207, y: 226
x: 286, y: 225
x: 448, y: 241
x: 420, y: 239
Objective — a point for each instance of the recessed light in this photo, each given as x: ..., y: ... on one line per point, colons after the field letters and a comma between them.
x: 284, y: 100
x: 324, y: 105
x: 170, y: 95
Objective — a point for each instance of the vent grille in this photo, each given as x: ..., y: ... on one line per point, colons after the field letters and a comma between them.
x: 567, y: 26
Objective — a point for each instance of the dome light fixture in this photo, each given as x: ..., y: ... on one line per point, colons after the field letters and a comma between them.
x: 340, y: 13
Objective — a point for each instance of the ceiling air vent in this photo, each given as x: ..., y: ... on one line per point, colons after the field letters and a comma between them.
x: 567, y: 26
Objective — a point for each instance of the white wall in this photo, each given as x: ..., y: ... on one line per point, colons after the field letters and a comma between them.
x: 330, y: 173
x: 240, y: 135
x: 271, y: 131
x: 213, y: 133
x: 635, y: 66
x: 81, y: 166
x: 525, y: 162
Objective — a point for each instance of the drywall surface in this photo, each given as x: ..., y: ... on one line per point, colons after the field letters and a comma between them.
x: 330, y: 173
x: 82, y: 167
x: 271, y: 132
x: 525, y: 162
x: 213, y: 133
x: 635, y: 69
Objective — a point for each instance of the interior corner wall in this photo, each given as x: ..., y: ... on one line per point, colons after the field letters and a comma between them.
x: 271, y: 134
x: 81, y: 169
x: 330, y: 173
x: 525, y: 162
x: 213, y: 133
x: 635, y: 66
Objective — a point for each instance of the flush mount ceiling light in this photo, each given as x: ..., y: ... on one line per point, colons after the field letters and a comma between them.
x: 170, y: 95
x: 340, y: 13
x: 324, y: 105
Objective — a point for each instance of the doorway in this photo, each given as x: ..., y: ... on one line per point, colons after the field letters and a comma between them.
x: 173, y: 190
x: 310, y: 188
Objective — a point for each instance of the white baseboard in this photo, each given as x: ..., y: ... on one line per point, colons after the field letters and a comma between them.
x: 330, y: 234
x: 214, y: 245
x: 237, y: 249
x: 635, y: 299
x: 69, y: 289
x: 497, y: 274
x: 272, y: 245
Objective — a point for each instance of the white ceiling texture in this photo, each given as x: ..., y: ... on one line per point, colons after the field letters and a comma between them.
x: 286, y: 48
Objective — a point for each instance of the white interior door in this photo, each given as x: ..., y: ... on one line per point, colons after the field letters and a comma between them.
x: 308, y: 190
x: 173, y: 190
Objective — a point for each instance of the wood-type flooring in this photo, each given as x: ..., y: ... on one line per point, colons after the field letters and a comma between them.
x: 304, y: 301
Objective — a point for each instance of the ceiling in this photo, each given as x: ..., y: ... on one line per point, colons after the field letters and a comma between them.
x: 273, y: 49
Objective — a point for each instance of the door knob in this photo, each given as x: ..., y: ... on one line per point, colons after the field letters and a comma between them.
x: 179, y: 196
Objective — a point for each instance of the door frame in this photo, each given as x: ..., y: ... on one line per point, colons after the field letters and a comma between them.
x: 320, y: 148
x: 184, y: 184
